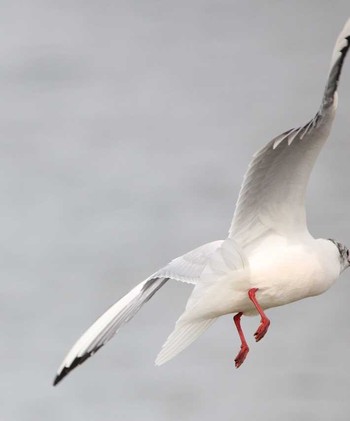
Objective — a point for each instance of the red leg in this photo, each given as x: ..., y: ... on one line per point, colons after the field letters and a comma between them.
x: 265, y: 322
x: 244, y: 346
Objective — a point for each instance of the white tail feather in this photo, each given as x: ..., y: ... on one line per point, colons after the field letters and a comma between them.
x: 183, y: 335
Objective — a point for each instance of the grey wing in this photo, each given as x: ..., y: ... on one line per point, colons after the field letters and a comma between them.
x: 186, y: 268
x: 272, y: 196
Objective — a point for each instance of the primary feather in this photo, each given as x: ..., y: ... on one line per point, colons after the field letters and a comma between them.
x: 186, y: 268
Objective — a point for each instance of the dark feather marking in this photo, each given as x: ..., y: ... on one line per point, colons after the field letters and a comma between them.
x: 77, y: 361
x: 114, y: 325
x: 334, y: 76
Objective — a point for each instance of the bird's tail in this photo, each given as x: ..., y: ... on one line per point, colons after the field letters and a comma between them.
x: 340, y: 49
x: 183, y: 335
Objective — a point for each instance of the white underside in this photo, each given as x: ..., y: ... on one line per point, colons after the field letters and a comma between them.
x: 283, y: 271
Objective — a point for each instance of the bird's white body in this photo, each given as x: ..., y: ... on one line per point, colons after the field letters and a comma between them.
x: 285, y: 271
x: 269, y: 250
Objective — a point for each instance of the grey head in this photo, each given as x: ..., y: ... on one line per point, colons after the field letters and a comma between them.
x: 344, y: 254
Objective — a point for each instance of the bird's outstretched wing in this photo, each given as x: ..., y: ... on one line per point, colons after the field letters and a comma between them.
x: 186, y: 268
x: 272, y: 195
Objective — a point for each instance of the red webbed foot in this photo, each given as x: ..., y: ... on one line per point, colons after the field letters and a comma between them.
x: 241, y: 356
x: 262, y: 329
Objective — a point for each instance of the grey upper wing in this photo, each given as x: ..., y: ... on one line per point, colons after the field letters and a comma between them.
x: 272, y: 195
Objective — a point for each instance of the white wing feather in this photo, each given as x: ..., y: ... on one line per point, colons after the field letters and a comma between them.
x: 189, y: 267
x: 186, y: 268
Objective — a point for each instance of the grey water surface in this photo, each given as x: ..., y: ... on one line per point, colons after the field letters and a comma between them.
x: 126, y: 128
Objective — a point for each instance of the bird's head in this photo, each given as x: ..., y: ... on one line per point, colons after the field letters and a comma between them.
x: 344, y: 255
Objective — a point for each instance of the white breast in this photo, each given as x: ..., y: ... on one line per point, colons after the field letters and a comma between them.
x: 286, y: 271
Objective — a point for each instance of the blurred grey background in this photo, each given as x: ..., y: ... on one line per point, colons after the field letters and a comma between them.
x: 126, y: 128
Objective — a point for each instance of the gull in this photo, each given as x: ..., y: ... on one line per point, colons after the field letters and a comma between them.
x: 269, y: 258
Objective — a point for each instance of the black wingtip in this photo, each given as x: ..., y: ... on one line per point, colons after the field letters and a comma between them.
x: 77, y: 361
x: 334, y: 76
x: 67, y: 370
x: 59, y: 377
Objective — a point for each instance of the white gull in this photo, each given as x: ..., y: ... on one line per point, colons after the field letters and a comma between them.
x: 269, y: 258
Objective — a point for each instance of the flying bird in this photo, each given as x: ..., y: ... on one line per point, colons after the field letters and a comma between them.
x: 269, y: 257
